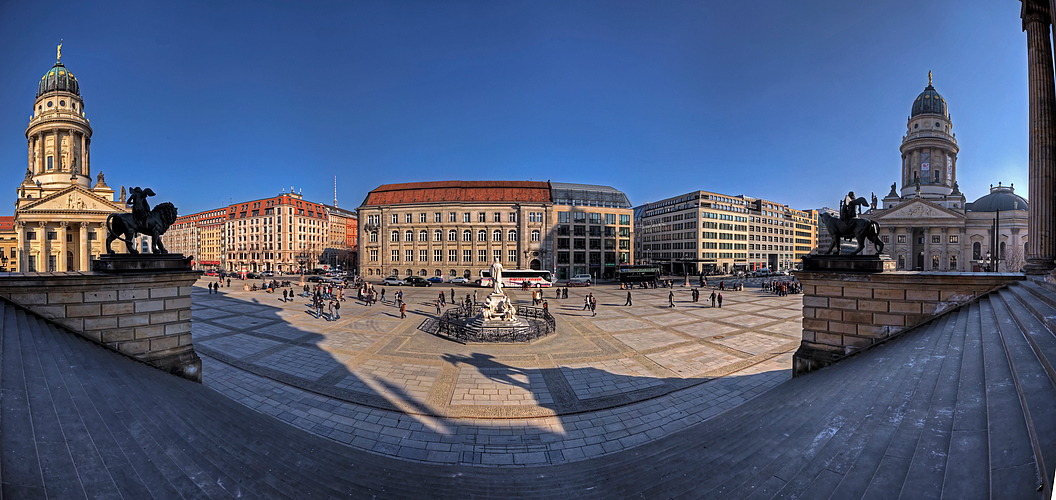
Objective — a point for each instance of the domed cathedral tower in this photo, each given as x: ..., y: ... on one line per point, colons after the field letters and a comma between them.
x: 60, y: 215
x: 929, y: 152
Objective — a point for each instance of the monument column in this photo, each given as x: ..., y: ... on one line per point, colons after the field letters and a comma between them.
x: 60, y: 261
x: 85, y: 247
x: 1042, y: 143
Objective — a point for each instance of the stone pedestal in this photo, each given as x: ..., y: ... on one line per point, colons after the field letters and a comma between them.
x: 142, y: 262
x: 849, y: 263
x: 143, y: 315
x: 845, y: 312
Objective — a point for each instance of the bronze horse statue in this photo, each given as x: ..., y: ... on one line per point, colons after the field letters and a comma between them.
x: 143, y: 220
x: 856, y: 228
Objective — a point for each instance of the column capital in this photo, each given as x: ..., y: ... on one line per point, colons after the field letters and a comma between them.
x: 42, y: 224
x: 64, y: 225
x: 84, y: 224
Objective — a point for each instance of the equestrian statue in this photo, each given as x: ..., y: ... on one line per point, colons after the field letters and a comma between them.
x: 850, y: 226
x: 142, y: 220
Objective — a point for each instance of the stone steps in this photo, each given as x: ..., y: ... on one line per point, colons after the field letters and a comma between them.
x: 962, y: 407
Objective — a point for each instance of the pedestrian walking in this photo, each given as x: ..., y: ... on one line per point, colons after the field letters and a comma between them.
x: 337, y: 310
x: 318, y: 308
x: 330, y: 311
x: 628, y: 299
x: 593, y: 305
x: 284, y: 296
x: 437, y: 307
x: 586, y: 302
x: 454, y: 299
x: 670, y: 299
x: 720, y: 301
x: 403, y: 311
x: 443, y: 301
x: 383, y: 295
x: 546, y: 307
x: 713, y: 298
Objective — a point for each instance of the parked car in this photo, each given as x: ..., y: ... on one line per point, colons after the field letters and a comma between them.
x: 393, y: 281
x: 436, y: 279
x: 315, y: 279
x: 416, y: 281
x: 252, y: 276
x: 580, y: 280
x: 267, y: 274
x: 212, y: 273
x: 459, y: 280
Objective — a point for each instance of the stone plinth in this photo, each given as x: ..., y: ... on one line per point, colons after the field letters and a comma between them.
x: 145, y: 316
x: 143, y: 262
x: 849, y: 263
x: 847, y: 312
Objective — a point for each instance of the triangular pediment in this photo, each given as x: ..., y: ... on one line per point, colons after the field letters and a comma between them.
x: 72, y: 199
x: 919, y: 209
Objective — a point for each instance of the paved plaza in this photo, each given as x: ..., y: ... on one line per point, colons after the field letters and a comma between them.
x: 602, y: 384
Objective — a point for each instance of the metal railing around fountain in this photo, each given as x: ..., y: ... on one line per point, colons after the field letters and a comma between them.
x: 453, y: 326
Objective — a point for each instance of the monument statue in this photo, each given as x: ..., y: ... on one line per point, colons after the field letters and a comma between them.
x: 873, y: 204
x: 142, y: 220
x: 99, y: 178
x: 496, y: 277
x: 29, y: 173
x: 850, y: 226
x: 122, y: 193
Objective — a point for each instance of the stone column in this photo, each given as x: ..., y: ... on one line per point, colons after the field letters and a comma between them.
x: 85, y: 247
x: 945, y: 250
x: 926, y: 247
x: 82, y: 163
x: 1042, y: 143
x: 60, y: 261
x: 20, y: 228
x: 45, y: 247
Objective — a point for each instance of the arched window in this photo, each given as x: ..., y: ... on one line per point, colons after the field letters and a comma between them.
x: 496, y: 235
x: 976, y: 251
x: 482, y: 235
x: 422, y: 272
x: 953, y: 263
x: 370, y: 272
x: 394, y: 271
x: 395, y: 236
x: 452, y: 235
x: 1001, y: 252
x: 408, y: 236
x: 535, y: 235
x: 453, y: 273
x: 438, y: 235
x: 410, y: 273
x: 423, y: 236
x: 512, y: 235
x: 438, y: 273
x: 465, y: 274
x: 467, y: 235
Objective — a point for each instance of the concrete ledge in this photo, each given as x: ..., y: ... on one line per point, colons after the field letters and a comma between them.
x: 143, y: 315
x: 847, y: 312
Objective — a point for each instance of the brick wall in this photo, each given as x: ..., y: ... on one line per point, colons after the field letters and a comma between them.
x: 146, y: 316
x: 846, y: 312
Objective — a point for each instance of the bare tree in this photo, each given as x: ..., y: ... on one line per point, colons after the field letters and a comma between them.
x: 1014, y: 258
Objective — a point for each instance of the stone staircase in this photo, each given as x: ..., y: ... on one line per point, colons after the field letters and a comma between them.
x: 963, y: 407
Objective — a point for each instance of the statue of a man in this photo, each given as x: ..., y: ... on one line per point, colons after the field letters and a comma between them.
x: 873, y: 205
x: 496, y: 276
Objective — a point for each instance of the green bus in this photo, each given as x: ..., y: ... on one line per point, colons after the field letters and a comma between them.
x: 638, y: 274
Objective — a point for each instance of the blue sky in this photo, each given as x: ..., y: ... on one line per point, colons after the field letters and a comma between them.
x: 796, y: 102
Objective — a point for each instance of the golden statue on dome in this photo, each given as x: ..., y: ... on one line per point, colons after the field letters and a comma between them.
x: 58, y: 52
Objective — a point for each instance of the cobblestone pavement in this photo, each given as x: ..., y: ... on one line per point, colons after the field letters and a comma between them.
x: 598, y: 385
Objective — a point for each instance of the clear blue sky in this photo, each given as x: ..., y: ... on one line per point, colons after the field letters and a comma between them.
x: 797, y: 102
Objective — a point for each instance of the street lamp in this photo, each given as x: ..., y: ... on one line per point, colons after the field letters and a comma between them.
x: 3, y: 264
x: 988, y: 261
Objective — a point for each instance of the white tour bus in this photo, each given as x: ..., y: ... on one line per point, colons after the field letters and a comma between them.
x: 515, y: 277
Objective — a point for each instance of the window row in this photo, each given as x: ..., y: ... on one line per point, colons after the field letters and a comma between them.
x: 452, y: 235
x: 438, y: 255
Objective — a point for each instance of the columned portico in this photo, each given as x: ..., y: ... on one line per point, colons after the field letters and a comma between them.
x: 1041, y: 246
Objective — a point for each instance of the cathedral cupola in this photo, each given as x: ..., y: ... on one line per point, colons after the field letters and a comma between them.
x: 929, y: 148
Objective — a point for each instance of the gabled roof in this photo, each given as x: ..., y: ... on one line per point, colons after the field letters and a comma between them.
x: 461, y: 191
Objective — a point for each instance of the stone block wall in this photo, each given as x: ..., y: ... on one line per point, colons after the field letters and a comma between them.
x: 146, y: 316
x: 846, y: 312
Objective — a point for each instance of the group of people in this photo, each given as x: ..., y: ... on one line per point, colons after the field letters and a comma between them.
x: 716, y: 298
x: 589, y: 302
x: 782, y: 288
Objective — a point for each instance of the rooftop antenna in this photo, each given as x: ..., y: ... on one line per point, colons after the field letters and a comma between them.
x: 335, y: 191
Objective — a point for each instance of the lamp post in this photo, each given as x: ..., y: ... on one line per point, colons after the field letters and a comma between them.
x: 987, y: 260
x: 3, y: 264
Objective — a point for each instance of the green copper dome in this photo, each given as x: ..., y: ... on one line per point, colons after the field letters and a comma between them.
x: 59, y: 78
